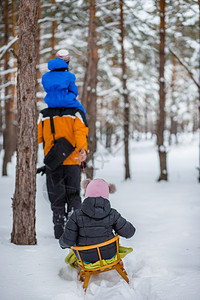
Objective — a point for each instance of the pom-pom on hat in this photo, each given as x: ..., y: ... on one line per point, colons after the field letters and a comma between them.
x: 63, y: 54
x: 98, y: 188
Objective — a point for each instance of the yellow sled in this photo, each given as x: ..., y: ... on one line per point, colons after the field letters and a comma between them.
x: 88, y: 269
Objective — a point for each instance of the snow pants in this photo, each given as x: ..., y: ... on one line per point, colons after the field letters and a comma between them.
x: 63, y: 186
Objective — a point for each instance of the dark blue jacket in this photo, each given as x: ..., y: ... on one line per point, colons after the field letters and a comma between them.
x: 92, y: 224
x: 59, y: 84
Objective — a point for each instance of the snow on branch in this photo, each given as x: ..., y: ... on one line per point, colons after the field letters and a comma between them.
x: 106, y: 3
x: 5, y: 48
x: 107, y: 92
x: 47, y: 19
x: 5, y: 85
x: 139, y: 19
x: 9, y: 71
x: 186, y: 67
x: 111, y: 24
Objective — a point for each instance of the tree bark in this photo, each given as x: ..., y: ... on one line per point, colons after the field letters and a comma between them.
x: 89, y: 96
x: 173, y: 114
x: 199, y: 94
x: 109, y: 132
x: 146, y: 117
x: 125, y: 95
x: 39, y: 75
x: 53, y: 30
x: 1, y: 66
x: 7, y: 133
x: 23, y: 232
x: 14, y: 76
x: 162, y: 115
x: 14, y: 12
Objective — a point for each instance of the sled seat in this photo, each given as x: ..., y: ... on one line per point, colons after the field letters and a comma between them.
x: 85, y: 272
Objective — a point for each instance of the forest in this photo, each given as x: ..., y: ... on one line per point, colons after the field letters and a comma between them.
x: 137, y: 67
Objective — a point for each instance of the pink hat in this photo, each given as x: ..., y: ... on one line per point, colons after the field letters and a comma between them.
x: 98, y: 188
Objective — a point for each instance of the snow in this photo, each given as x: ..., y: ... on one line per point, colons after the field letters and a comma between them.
x: 164, y: 264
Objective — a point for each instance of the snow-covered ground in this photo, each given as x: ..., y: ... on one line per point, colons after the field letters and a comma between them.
x: 165, y: 263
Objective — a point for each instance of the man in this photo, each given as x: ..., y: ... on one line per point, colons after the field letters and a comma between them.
x: 63, y: 183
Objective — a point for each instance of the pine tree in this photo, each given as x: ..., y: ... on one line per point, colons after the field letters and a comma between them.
x: 125, y: 95
x: 7, y: 97
x: 162, y: 116
x: 23, y: 232
x: 89, y: 95
x: 8, y: 86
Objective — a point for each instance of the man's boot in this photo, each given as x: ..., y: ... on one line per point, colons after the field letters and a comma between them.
x: 59, y: 221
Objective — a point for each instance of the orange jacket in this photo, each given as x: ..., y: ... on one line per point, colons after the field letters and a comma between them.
x: 69, y: 123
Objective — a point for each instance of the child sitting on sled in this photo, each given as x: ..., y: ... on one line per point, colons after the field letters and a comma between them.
x: 95, y: 222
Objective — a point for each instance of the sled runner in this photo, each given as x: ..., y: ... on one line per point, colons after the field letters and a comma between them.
x: 86, y: 270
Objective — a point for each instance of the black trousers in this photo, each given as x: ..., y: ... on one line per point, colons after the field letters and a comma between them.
x: 63, y: 186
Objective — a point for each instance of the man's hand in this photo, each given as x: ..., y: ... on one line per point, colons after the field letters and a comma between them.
x: 82, y: 155
x: 41, y: 170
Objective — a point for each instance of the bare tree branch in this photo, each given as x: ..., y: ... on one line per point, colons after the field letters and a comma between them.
x: 8, y: 46
x: 186, y: 68
x: 15, y: 55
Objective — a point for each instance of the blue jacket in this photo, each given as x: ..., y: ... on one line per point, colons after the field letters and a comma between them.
x: 59, y: 84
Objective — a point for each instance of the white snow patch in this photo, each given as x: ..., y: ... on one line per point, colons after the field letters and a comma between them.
x: 164, y: 264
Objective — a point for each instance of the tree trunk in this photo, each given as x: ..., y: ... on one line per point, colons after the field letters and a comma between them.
x: 89, y: 96
x: 109, y: 132
x: 23, y: 232
x: 39, y: 87
x: 146, y: 117
x: 53, y: 29
x: 7, y: 136
x: 14, y: 12
x: 1, y: 66
x: 125, y: 96
x: 199, y: 93
x: 13, y: 102
x: 161, y: 118
x: 173, y: 113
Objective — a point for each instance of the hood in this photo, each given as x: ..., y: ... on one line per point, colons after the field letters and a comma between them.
x: 57, y: 63
x: 96, y: 207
